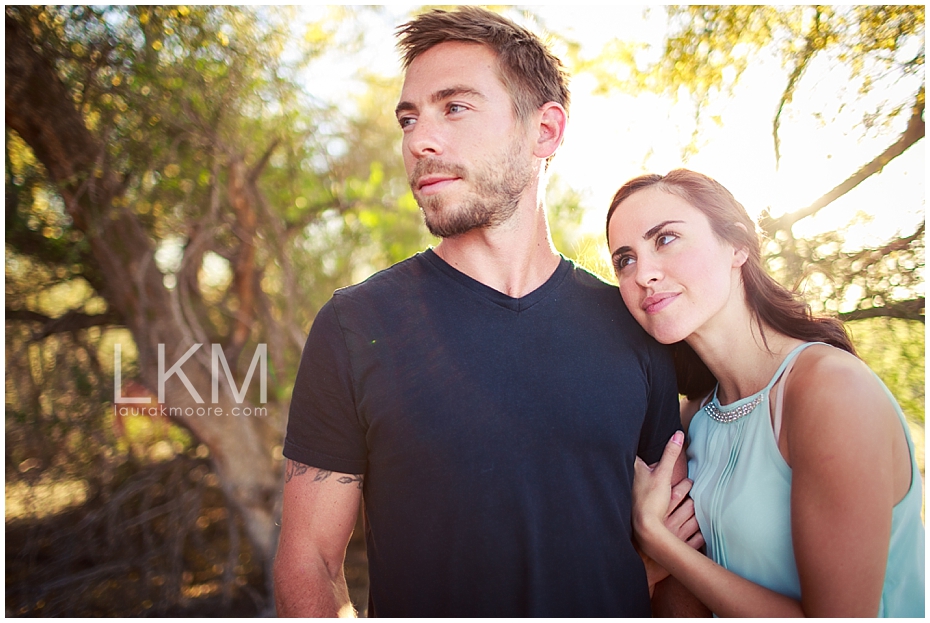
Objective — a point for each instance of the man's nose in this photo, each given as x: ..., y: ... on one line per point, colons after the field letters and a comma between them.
x: 424, y: 138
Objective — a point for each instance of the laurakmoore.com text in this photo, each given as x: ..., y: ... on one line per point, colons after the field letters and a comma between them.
x: 166, y: 411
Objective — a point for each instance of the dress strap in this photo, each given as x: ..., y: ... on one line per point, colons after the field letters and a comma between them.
x: 779, y: 400
x: 785, y: 363
x: 783, y: 370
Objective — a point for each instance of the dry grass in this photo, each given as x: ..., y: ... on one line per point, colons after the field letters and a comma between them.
x: 161, y: 541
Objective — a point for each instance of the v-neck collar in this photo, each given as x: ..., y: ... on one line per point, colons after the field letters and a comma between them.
x: 499, y: 298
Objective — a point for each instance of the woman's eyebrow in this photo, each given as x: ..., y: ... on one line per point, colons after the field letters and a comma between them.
x: 648, y: 235
x: 655, y: 230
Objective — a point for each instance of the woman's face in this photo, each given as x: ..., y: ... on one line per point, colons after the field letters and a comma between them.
x: 675, y: 275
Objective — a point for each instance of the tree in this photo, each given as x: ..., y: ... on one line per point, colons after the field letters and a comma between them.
x: 876, y: 49
x: 164, y: 158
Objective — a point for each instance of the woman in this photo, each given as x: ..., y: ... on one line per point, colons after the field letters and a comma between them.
x: 805, y: 483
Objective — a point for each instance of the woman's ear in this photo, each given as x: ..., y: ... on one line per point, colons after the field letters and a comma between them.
x: 740, y: 256
x: 741, y: 253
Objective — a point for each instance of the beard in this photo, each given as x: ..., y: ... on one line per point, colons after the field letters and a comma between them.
x: 496, y: 187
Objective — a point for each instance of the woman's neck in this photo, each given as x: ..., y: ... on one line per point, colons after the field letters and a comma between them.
x: 739, y: 358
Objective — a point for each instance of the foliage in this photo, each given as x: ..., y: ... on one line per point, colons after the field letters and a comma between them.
x: 709, y: 48
x: 853, y: 283
x: 189, y: 101
x: 894, y: 349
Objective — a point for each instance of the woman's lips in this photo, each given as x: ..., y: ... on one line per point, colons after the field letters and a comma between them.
x: 657, y: 302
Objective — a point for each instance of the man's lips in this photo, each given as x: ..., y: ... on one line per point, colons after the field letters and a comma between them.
x: 657, y: 302
x: 432, y: 184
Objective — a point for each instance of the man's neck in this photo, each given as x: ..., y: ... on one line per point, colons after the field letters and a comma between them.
x: 514, y: 258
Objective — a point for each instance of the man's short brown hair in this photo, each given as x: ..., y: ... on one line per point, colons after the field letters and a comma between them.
x: 529, y: 71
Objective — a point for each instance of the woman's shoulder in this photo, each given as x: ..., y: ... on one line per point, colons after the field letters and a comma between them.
x: 822, y: 369
x: 831, y: 393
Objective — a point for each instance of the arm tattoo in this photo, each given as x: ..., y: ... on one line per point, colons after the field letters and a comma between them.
x: 294, y: 468
x: 356, y: 478
x: 322, y: 474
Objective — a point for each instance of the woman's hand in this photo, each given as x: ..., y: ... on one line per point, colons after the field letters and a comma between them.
x: 652, y: 494
x: 680, y: 521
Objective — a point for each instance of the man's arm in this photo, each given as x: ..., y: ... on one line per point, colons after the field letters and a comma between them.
x: 317, y: 518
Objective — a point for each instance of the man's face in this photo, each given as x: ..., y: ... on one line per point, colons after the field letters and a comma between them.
x: 468, y: 160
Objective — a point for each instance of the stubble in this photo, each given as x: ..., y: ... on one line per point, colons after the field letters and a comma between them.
x: 496, y: 188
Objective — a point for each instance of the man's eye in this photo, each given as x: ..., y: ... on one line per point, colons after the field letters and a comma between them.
x: 406, y: 121
x: 454, y: 108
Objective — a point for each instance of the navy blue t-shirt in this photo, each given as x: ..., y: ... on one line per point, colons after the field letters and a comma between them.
x: 497, y: 438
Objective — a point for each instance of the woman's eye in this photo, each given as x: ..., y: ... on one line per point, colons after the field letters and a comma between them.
x: 625, y: 261
x: 664, y: 239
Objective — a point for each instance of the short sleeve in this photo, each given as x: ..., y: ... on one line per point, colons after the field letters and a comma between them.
x: 663, y: 416
x: 323, y: 429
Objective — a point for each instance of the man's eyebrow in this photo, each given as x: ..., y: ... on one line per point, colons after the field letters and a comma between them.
x: 456, y: 91
x: 404, y: 107
x: 441, y: 95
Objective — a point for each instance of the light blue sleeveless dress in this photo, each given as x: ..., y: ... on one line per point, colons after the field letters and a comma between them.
x: 742, y: 490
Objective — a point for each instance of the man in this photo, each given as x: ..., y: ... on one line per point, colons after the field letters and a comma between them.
x: 487, y: 396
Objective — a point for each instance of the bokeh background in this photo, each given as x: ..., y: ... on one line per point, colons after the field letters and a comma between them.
x: 186, y: 175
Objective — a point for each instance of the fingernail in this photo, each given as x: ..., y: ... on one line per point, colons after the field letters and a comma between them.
x: 678, y: 438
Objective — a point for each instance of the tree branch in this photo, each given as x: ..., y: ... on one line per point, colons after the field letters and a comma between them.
x: 914, y: 132
x: 68, y: 323
x: 256, y: 170
x: 810, y: 48
x: 905, y: 310
x: 899, y: 244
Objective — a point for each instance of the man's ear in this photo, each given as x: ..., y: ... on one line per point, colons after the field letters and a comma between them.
x: 552, y: 122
